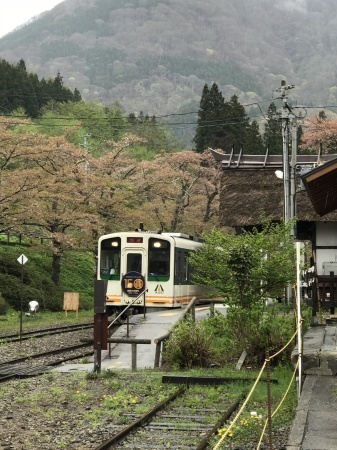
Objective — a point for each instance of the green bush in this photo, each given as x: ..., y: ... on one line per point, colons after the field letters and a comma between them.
x: 189, y: 345
x: 225, y: 348
x: 255, y: 330
x: 77, y: 275
x: 3, y: 306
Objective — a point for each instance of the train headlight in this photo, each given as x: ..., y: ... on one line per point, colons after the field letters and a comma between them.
x: 114, y: 243
x: 157, y: 244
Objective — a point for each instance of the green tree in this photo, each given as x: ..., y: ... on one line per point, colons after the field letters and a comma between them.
x: 154, y: 135
x: 273, y: 131
x: 249, y: 267
x: 254, y: 142
x: 209, y: 132
x: 235, y: 125
x: 224, y: 124
x: 245, y: 270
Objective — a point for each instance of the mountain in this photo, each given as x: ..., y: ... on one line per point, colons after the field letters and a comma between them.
x: 156, y: 55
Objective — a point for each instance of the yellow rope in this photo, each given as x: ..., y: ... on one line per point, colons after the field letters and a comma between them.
x: 278, y: 407
x: 252, y: 390
x: 241, y: 409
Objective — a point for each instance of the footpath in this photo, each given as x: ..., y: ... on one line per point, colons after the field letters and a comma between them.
x: 315, y: 424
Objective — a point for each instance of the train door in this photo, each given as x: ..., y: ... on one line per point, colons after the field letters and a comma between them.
x: 133, y: 270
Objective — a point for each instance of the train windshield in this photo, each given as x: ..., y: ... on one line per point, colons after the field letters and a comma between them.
x: 134, y: 262
x: 110, y: 257
x: 159, y: 259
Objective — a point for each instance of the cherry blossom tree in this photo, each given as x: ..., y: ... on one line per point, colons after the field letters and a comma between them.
x: 61, y: 209
x: 177, y: 191
x: 320, y: 132
x: 17, y: 180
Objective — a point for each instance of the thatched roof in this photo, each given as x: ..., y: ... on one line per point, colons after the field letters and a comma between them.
x: 248, y: 189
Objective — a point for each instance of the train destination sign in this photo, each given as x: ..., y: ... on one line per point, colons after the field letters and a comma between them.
x: 133, y: 283
x: 134, y: 240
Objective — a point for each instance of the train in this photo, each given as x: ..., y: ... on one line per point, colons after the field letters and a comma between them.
x: 155, y: 264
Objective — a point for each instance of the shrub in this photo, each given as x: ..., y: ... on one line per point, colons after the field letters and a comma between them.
x: 3, y: 306
x: 255, y: 330
x: 189, y: 345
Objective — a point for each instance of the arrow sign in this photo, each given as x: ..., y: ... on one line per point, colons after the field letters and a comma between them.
x: 22, y: 259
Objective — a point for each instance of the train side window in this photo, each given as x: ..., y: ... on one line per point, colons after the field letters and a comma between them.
x: 159, y: 260
x: 185, y: 266
x: 110, y: 257
x: 178, y: 267
x: 183, y: 270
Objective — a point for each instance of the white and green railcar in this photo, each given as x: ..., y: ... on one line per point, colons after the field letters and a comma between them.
x: 156, y: 264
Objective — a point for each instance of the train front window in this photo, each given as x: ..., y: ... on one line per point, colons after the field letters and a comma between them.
x: 134, y: 262
x: 110, y: 259
x: 159, y: 260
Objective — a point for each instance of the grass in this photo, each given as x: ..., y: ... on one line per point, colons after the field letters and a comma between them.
x: 111, y: 396
x: 77, y: 275
x: 11, y: 321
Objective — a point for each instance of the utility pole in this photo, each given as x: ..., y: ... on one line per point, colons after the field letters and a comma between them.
x: 285, y: 148
x: 289, y: 175
x: 293, y: 165
x: 85, y: 146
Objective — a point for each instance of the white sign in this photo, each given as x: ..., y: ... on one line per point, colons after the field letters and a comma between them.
x: 22, y: 259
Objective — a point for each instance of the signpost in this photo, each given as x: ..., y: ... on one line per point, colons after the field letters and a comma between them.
x: 22, y: 259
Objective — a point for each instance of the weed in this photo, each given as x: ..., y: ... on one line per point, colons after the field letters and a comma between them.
x: 248, y: 427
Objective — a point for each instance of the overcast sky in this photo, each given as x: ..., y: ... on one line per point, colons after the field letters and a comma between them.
x: 16, y: 12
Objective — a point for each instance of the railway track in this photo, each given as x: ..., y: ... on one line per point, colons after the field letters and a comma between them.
x: 173, y: 424
x: 42, y: 349
x: 45, y: 332
x: 42, y: 362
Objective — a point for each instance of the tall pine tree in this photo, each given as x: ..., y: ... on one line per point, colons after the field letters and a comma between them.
x: 209, y: 130
x: 273, y: 131
x: 224, y: 124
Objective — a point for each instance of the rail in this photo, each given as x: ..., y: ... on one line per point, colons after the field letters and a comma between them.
x: 133, y: 343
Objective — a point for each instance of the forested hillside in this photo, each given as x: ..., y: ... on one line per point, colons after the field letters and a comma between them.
x: 156, y: 55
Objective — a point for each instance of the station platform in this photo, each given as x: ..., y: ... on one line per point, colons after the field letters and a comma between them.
x: 152, y: 326
x: 315, y: 424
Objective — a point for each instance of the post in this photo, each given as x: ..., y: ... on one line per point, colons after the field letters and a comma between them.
x: 270, y: 432
x: 144, y: 304
x: 98, y: 353
x: 134, y: 357
x: 21, y: 303
x: 22, y: 260
x: 100, y: 288
x: 299, y: 319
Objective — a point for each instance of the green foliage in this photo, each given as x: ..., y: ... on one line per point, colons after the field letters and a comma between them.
x: 189, y: 345
x: 226, y: 349
x: 20, y: 89
x: 224, y: 124
x: 77, y: 275
x: 155, y: 136
x: 260, y: 329
x: 246, y: 268
x: 273, y: 131
x: 209, y: 128
x: 141, y: 153
x: 3, y: 306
